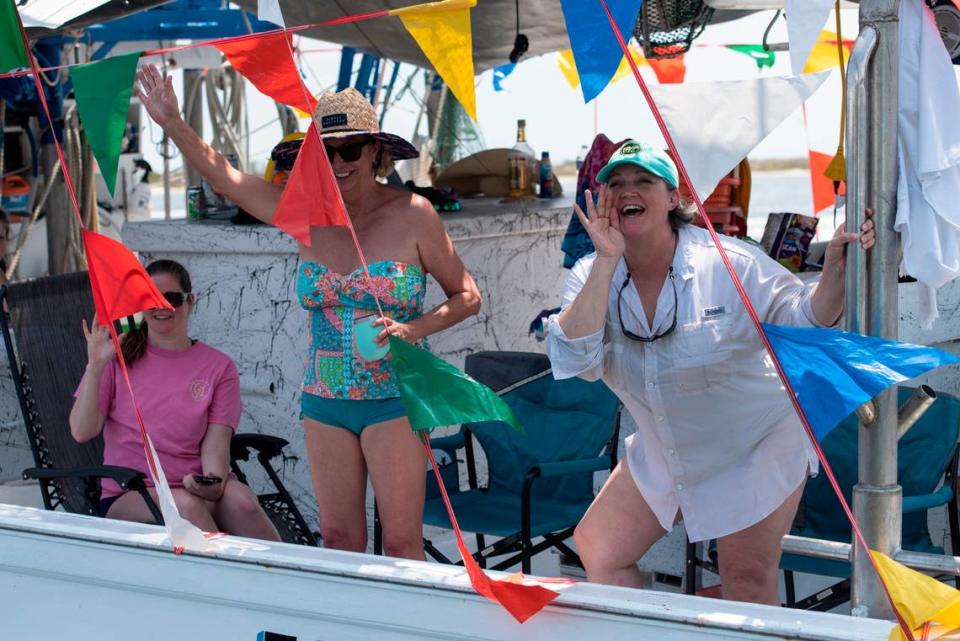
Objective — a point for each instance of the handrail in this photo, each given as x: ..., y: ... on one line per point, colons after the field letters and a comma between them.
x: 840, y: 551
x: 856, y: 143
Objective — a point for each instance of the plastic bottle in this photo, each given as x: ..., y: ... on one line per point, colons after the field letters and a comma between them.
x: 581, y: 155
x: 519, y: 162
x: 546, y: 176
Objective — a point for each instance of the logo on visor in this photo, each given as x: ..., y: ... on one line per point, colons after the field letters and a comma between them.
x: 631, y: 148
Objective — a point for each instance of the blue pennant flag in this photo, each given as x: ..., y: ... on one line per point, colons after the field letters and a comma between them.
x: 595, y: 48
x: 835, y: 372
x: 501, y: 72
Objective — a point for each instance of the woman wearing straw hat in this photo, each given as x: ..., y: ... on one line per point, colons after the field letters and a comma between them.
x: 654, y: 313
x: 353, y: 418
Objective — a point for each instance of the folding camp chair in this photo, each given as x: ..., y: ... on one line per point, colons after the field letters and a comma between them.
x: 927, y: 454
x: 47, y: 354
x: 539, y: 484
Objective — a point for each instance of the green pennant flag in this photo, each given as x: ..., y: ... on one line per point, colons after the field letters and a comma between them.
x: 761, y: 56
x: 103, y: 91
x: 437, y: 394
x: 12, y: 52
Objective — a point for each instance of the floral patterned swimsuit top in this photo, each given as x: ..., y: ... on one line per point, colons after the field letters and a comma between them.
x: 334, y: 366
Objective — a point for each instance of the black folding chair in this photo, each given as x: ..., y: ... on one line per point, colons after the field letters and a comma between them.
x: 47, y: 353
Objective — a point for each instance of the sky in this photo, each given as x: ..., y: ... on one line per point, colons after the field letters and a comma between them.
x: 557, y: 119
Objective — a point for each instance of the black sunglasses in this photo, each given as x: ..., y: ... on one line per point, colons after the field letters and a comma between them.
x: 350, y: 151
x: 647, y: 339
x: 176, y: 299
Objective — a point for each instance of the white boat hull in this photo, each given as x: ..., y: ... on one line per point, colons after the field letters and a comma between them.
x: 65, y: 576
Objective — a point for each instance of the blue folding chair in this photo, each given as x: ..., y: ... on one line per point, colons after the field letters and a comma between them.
x: 539, y: 484
x: 926, y: 455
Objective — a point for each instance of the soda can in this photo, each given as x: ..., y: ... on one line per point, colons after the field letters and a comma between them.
x: 193, y: 202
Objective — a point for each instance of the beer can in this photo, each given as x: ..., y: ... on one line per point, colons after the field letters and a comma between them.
x: 193, y: 202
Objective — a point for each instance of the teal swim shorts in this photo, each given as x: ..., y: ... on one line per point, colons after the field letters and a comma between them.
x: 349, y: 414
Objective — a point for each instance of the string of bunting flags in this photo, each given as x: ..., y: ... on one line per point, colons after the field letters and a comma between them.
x: 727, y: 118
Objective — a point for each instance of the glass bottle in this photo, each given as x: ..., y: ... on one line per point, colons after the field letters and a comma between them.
x: 519, y: 161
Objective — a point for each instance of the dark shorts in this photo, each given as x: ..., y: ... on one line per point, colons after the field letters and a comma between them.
x: 349, y: 414
x: 106, y: 503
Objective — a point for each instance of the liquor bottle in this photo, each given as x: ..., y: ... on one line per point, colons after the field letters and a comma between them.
x: 519, y: 161
x: 546, y: 176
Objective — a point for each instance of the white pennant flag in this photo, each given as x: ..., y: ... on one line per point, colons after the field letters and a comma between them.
x: 805, y: 21
x: 269, y: 11
x: 716, y: 124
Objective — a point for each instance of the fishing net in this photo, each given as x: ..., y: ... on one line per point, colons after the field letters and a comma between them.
x: 666, y: 28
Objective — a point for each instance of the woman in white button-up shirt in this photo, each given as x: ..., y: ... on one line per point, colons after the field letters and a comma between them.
x: 655, y: 314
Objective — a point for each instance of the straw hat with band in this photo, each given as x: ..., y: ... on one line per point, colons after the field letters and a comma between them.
x: 347, y: 113
x: 645, y: 156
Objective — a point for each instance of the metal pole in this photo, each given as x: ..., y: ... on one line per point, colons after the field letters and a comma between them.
x: 877, y: 498
x: 193, y: 115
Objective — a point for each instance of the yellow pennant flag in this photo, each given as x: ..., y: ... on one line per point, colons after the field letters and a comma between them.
x: 442, y: 29
x: 824, y: 54
x: 568, y: 67
x: 920, y: 599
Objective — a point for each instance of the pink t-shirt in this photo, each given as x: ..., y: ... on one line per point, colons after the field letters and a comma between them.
x: 179, y: 394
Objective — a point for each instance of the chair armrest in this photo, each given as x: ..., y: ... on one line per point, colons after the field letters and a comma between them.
x: 573, y: 467
x: 449, y: 444
x: 266, y: 445
x: 926, y: 501
x: 125, y: 477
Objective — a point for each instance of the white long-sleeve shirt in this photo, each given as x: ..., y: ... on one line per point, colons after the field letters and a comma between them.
x: 717, y: 436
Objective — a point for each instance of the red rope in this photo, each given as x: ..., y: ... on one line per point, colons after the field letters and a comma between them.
x: 744, y: 297
x: 64, y: 167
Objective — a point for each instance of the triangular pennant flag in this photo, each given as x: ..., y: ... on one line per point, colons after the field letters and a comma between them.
x: 311, y: 196
x: 520, y: 600
x: 825, y: 55
x: 919, y: 598
x: 500, y: 73
x: 834, y: 372
x: 594, y: 45
x: 569, y: 68
x: 269, y: 11
x: 103, y: 91
x: 443, y: 32
x: 669, y: 70
x: 121, y: 286
x: 716, y: 124
x: 805, y: 20
x: 436, y: 394
x: 12, y: 53
x: 266, y: 62
x: 760, y: 55
x: 823, y: 194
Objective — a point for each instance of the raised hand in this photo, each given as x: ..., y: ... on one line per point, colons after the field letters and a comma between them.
x: 602, y: 224
x: 100, y: 349
x: 156, y: 94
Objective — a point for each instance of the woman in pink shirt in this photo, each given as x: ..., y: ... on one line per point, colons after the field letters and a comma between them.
x: 189, y: 396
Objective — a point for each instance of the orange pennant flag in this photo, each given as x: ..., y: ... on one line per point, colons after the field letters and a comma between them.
x: 311, y: 196
x: 266, y: 62
x: 520, y: 600
x: 668, y: 70
x: 823, y: 194
x: 121, y: 286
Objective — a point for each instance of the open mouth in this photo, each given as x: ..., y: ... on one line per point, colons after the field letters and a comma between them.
x: 341, y: 175
x: 161, y: 315
x: 632, y: 210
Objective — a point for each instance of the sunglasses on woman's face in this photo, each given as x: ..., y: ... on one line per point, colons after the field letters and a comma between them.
x: 350, y: 151
x: 176, y: 299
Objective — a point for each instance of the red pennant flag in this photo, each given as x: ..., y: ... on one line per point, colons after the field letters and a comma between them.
x: 823, y: 195
x: 521, y: 601
x: 669, y: 70
x: 121, y: 286
x: 266, y: 62
x: 311, y: 196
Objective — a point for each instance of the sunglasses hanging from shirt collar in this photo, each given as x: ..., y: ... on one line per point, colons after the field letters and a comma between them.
x: 647, y: 339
